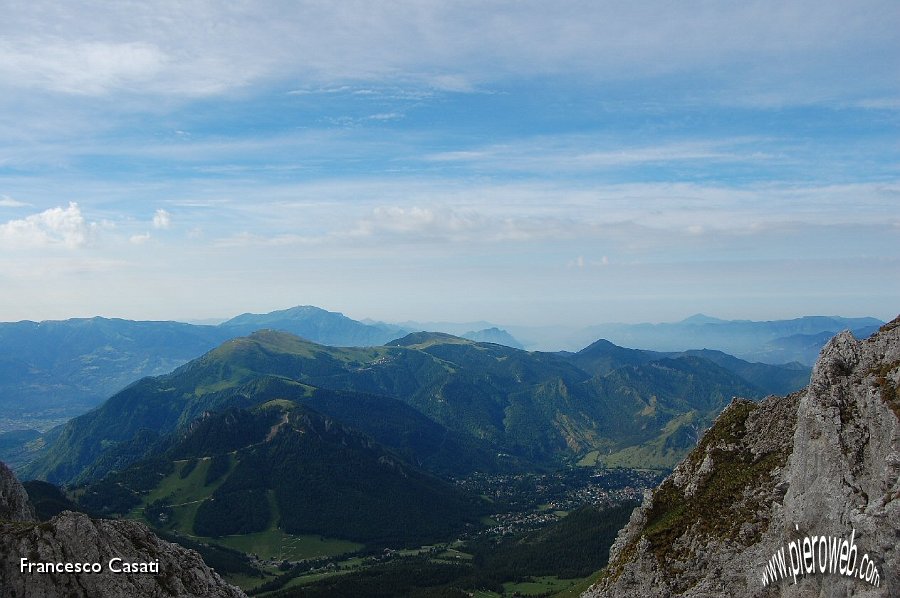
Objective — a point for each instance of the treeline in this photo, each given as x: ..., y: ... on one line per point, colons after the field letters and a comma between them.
x: 222, y: 433
x: 119, y: 492
x: 357, y: 492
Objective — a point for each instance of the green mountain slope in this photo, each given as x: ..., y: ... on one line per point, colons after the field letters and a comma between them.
x: 773, y: 379
x: 539, y: 407
x: 282, y: 466
x: 602, y: 357
x: 411, y: 435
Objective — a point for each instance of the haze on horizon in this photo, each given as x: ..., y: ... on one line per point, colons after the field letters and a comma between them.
x: 519, y: 163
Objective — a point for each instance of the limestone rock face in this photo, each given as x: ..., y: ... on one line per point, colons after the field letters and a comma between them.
x: 14, y: 505
x: 821, y: 462
x: 76, y: 538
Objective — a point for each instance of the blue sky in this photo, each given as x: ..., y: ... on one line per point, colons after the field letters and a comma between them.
x: 518, y: 162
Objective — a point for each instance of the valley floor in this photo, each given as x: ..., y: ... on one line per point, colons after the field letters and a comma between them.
x: 535, y: 516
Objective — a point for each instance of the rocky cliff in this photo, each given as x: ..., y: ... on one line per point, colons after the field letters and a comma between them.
x: 122, y: 558
x: 764, y: 504
x: 14, y: 505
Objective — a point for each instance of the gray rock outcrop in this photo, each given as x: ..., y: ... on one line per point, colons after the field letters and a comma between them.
x: 77, y: 539
x: 821, y: 462
x: 14, y: 505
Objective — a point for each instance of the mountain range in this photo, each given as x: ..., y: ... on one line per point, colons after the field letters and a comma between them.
x: 482, y: 399
x: 273, y: 435
x: 775, y: 341
x: 52, y: 371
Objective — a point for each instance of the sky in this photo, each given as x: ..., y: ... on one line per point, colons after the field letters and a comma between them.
x: 520, y: 162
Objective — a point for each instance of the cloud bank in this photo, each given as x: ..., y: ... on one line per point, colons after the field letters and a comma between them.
x: 54, y: 228
x: 801, y: 49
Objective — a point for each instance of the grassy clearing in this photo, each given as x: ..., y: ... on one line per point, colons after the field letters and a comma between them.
x: 589, y: 460
x: 184, y: 495
x: 538, y: 586
x: 245, y: 582
x: 578, y: 587
x: 189, y: 489
x: 275, y: 544
x: 314, y: 577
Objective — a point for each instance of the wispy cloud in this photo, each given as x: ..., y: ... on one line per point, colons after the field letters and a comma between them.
x: 202, y: 48
x: 636, y: 217
x: 579, y: 152
x: 8, y: 202
x: 88, y: 68
x: 442, y: 223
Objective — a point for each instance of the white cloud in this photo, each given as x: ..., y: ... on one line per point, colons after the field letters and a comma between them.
x: 56, y: 227
x: 385, y: 116
x: 139, y: 239
x: 8, y: 202
x: 162, y: 219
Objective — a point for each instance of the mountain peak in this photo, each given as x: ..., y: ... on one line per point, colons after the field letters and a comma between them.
x: 308, y: 321
x: 494, y: 335
x: 423, y: 339
x: 702, y: 319
x: 291, y: 313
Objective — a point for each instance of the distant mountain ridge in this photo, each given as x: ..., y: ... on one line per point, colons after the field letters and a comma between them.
x: 483, y: 397
x: 493, y: 335
x: 53, y: 370
x: 316, y: 324
x: 768, y: 341
x: 62, y: 368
